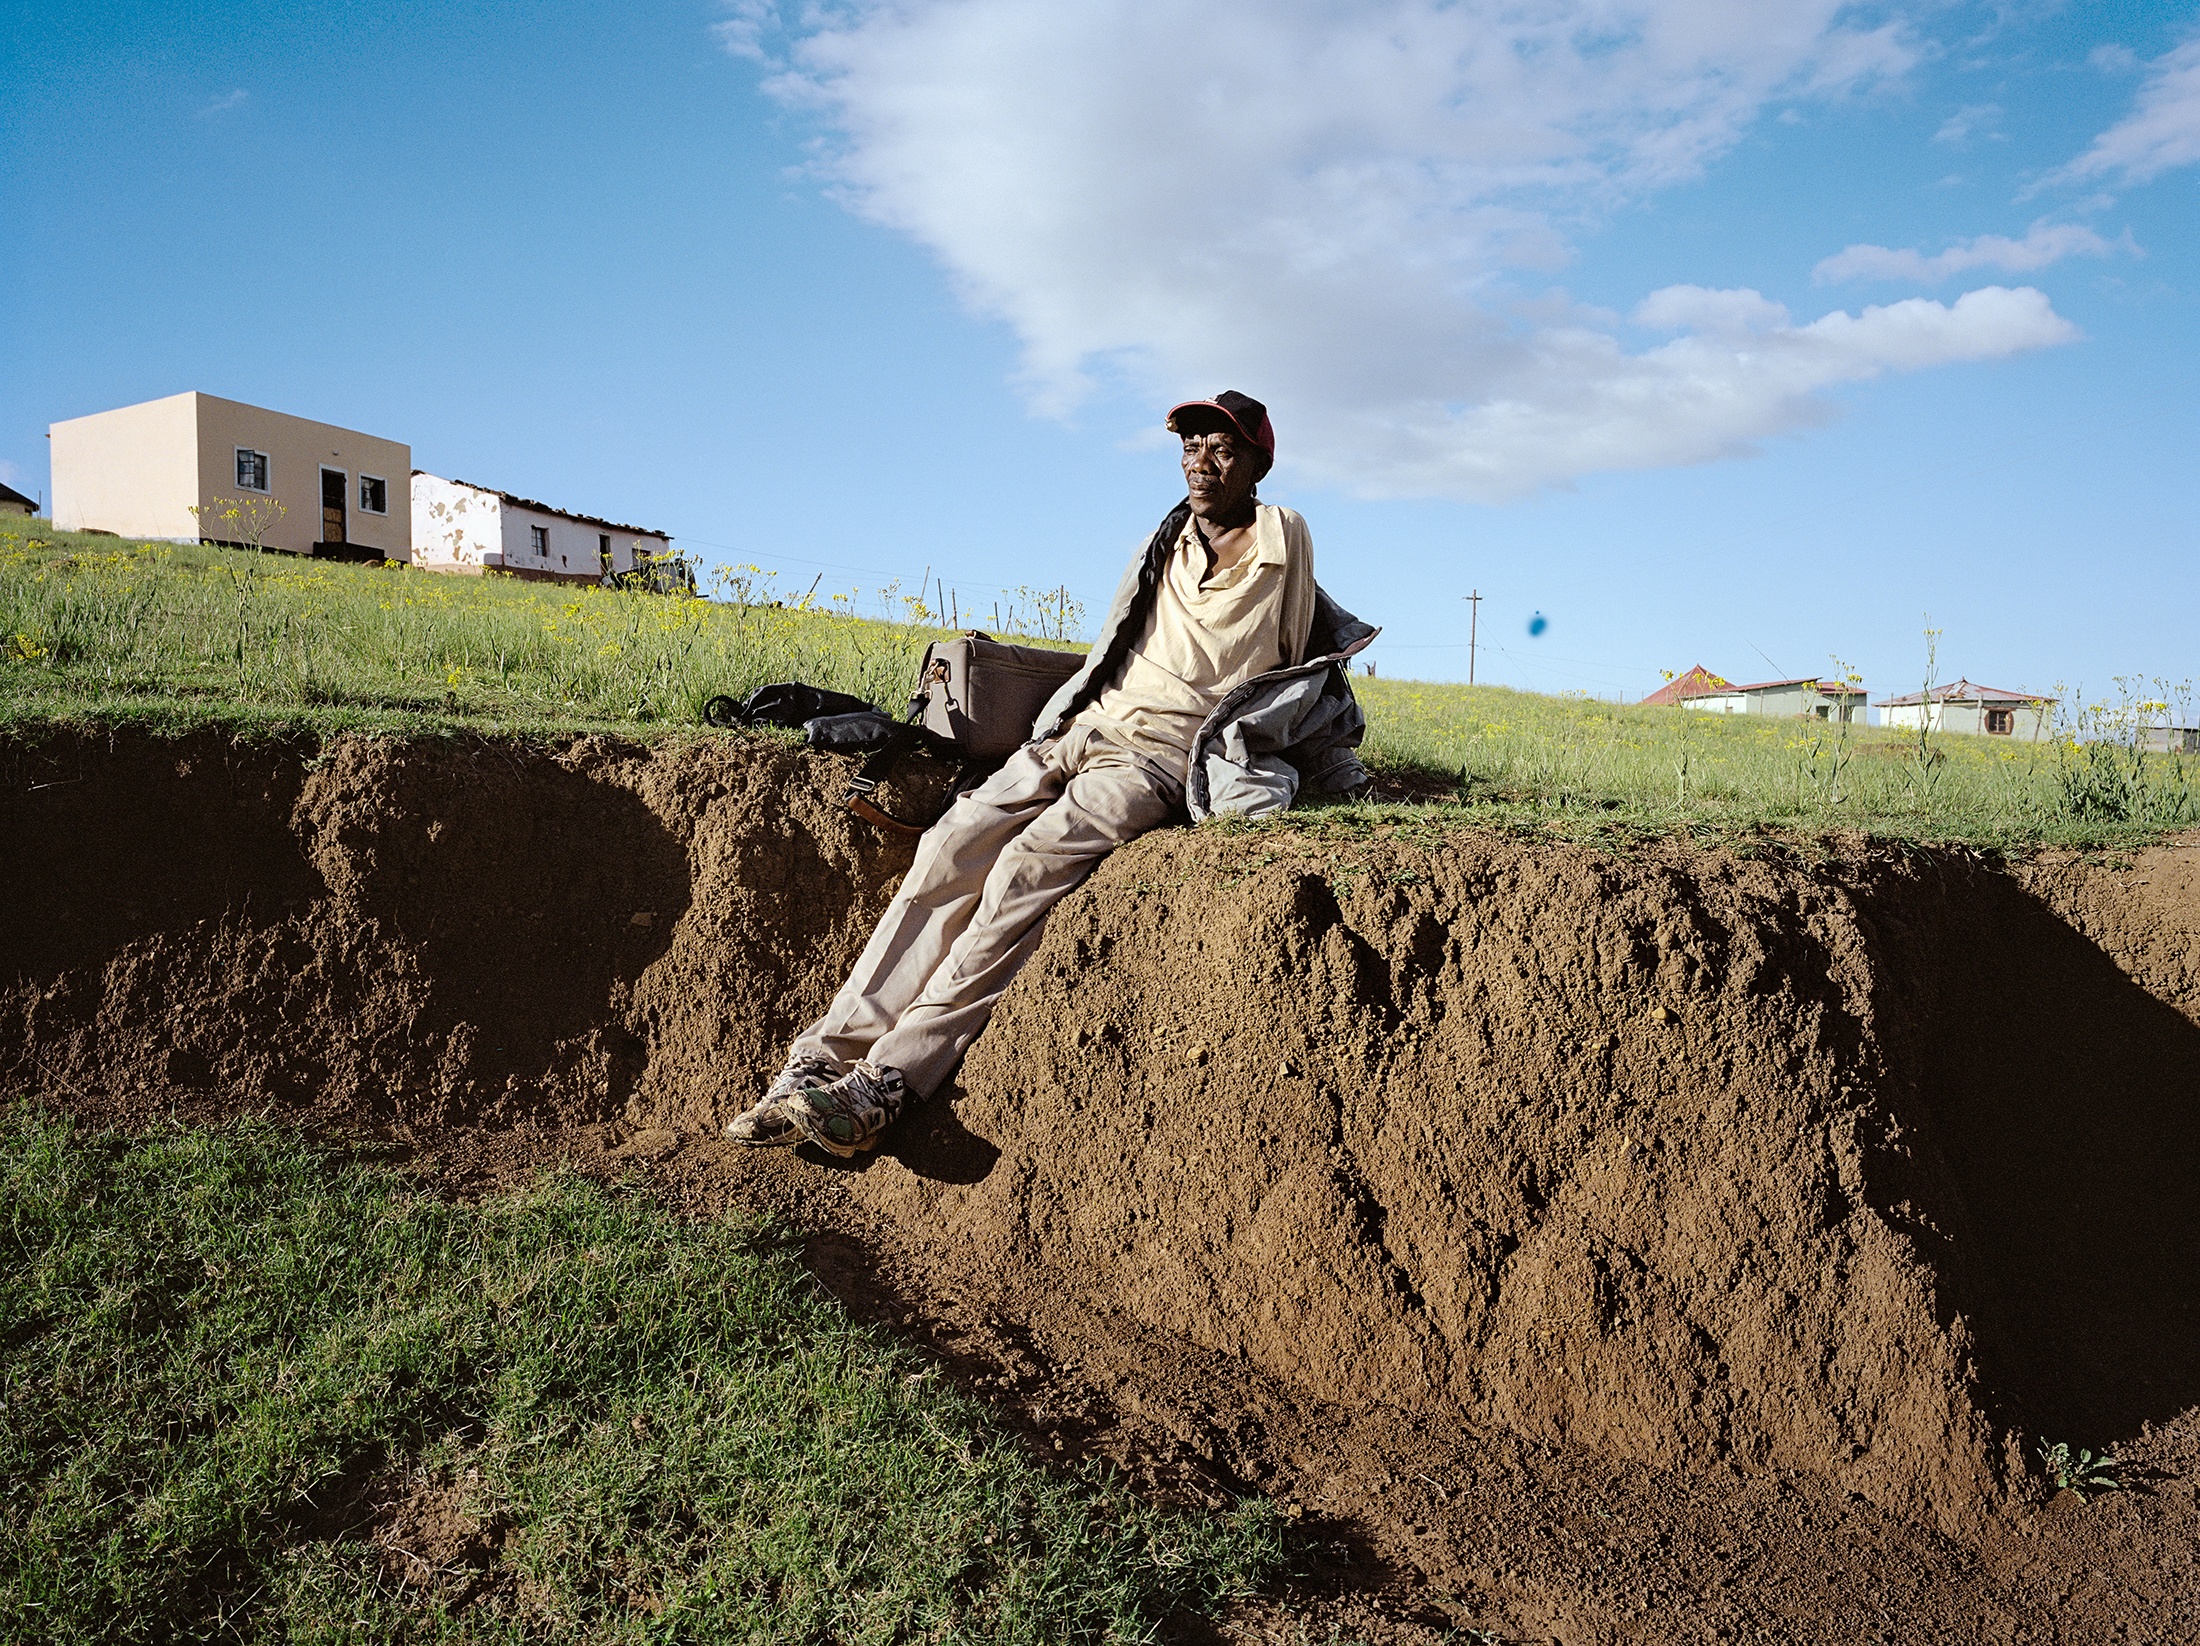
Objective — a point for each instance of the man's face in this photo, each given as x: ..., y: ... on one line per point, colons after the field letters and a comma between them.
x: 1220, y: 471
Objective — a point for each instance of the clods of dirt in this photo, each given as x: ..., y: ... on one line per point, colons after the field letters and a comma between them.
x: 1597, y: 1244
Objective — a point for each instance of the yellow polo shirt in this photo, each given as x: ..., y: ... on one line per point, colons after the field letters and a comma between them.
x: 1204, y: 637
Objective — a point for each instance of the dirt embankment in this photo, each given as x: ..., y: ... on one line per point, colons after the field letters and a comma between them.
x: 1870, y: 1167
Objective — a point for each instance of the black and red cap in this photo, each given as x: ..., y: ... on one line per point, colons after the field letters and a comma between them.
x: 1239, y: 411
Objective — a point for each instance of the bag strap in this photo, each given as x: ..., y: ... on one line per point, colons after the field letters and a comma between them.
x: 876, y: 768
x: 905, y: 739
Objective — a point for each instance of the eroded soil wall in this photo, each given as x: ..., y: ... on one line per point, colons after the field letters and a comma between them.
x: 1864, y: 1166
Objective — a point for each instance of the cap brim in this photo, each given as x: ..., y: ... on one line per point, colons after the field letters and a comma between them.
x: 1177, y: 411
x: 1229, y: 421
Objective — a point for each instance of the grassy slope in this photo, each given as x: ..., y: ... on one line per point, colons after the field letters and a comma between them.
x: 102, y: 629
x: 667, y: 1432
x: 663, y: 1426
x: 1583, y: 765
x: 98, y: 629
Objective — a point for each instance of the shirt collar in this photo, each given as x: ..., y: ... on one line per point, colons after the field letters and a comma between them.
x: 1269, y: 548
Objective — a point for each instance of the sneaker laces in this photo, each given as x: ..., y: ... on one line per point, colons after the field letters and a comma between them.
x: 769, y: 1120
x: 846, y: 1115
x: 803, y: 1069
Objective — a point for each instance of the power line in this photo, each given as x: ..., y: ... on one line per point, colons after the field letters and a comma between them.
x: 828, y: 565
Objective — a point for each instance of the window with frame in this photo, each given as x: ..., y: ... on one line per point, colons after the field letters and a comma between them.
x: 538, y: 539
x: 374, y: 495
x: 2001, y: 722
x: 251, y: 470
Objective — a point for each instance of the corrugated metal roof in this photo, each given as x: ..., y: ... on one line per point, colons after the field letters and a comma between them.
x: 1701, y: 682
x: 1963, y: 691
x: 519, y: 502
x: 1697, y: 682
x: 1825, y: 688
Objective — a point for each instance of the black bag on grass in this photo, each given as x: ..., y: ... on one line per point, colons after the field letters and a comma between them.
x: 975, y: 701
x: 859, y: 732
x: 789, y: 703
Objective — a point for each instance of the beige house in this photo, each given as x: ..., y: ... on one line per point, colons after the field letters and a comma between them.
x: 195, y: 467
x: 14, y: 502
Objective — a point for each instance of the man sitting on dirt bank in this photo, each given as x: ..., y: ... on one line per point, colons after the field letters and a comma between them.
x: 1218, y: 684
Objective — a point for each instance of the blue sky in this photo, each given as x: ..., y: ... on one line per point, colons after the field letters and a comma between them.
x: 1712, y: 338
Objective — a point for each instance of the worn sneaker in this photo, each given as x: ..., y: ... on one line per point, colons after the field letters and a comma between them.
x: 845, y: 1116
x: 768, y: 1125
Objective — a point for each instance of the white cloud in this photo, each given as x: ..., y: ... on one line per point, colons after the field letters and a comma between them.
x: 2161, y: 131
x: 1331, y: 206
x: 745, y: 27
x: 1960, y: 126
x: 2043, y: 243
x: 224, y: 103
x: 2113, y: 58
x: 1572, y: 401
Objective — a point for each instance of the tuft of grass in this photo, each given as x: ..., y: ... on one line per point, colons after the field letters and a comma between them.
x: 226, y: 1353
x: 2081, y: 1472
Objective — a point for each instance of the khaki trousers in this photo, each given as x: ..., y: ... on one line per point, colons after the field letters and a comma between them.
x: 973, y: 905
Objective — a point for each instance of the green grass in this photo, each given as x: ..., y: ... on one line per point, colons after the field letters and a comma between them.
x: 1583, y: 767
x: 212, y: 1339
x: 101, y: 631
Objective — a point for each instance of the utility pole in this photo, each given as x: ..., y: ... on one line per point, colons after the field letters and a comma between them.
x: 1474, y: 623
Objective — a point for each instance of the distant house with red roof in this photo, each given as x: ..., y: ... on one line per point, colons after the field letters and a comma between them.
x: 1805, y: 698
x: 1963, y: 707
x: 1697, y: 682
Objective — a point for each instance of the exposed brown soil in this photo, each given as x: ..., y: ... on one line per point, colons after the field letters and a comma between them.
x: 1589, y: 1247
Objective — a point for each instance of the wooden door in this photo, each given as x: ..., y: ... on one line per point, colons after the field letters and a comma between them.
x: 332, y: 505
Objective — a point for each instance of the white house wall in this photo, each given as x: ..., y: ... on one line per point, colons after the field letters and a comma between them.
x: 574, y: 550
x: 1792, y: 702
x: 1911, y: 717
x: 1968, y: 716
x: 470, y: 530
x: 1808, y: 703
x: 455, y: 527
